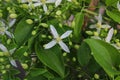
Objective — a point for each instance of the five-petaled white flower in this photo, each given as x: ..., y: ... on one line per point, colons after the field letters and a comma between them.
x: 118, y: 6
x: 58, y: 39
x: 9, y: 52
x: 4, y: 27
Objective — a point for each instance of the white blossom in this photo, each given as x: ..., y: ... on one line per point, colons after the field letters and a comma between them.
x: 10, y: 52
x: 4, y: 28
x: 58, y: 39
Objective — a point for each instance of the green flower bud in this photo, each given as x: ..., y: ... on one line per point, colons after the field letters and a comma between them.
x: 25, y: 6
x: 43, y: 36
x: 3, y: 71
x: 29, y: 21
x: 50, y: 37
x: 33, y: 32
x: 8, y: 8
x: 64, y: 54
x: 70, y: 43
x: 58, y: 12
x: 8, y: 41
x: 25, y: 66
x: 74, y: 59
x: 2, y: 60
x: 76, y: 46
x: 7, y: 66
x: 25, y: 54
x: 96, y: 76
x: 1, y: 54
x: 89, y: 32
x: 118, y: 44
x: 115, y: 32
x: 79, y: 75
x: 60, y: 25
x: 44, y: 25
x: 13, y: 15
x: 117, y: 40
x: 95, y: 33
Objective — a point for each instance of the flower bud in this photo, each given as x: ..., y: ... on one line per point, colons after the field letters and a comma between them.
x: 64, y: 54
x: 74, y: 59
x: 44, y: 25
x: 58, y: 12
x: 29, y: 21
x: 25, y: 66
x: 96, y: 76
x: 3, y: 71
x: 13, y: 15
x: 118, y: 44
x: 25, y: 54
x: 95, y: 33
x: 76, y: 46
x: 117, y: 40
x: 70, y: 43
x: 33, y: 32
x: 2, y: 60
x: 7, y: 66
x: 115, y: 32
x: 89, y: 32
x: 43, y: 36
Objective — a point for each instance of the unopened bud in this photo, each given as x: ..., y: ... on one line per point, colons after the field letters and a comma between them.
x: 64, y: 54
x: 33, y: 32
x: 74, y: 59
x: 96, y: 76
x: 58, y: 12
x: 13, y: 15
x: 29, y: 21
x: 95, y: 33
x: 76, y: 46
x: 89, y: 32
x: 25, y: 66
x: 115, y: 32
x: 44, y: 25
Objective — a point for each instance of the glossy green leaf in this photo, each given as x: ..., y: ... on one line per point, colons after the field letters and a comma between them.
x: 77, y: 24
x: 83, y: 54
x: 22, y: 31
x: 105, y: 55
x: 115, y: 15
x: 51, y: 58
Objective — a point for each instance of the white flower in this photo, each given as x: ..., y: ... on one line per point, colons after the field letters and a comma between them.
x: 4, y: 27
x: 118, y: 5
x: 10, y: 52
x: 99, y: 24
x: 58, y: 39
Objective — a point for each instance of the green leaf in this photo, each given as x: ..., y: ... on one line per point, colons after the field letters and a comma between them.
x: 105, y: 55
x: 77, y: 24
x: 115, y: 15
x: 83, y: 54
x: 110, y: 2
x: 51, y: 58
x: 23, y: 31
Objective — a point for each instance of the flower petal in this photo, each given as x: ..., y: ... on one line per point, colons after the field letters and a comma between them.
x: 53, y: 31
x: 3, y: 48
x: 64, y: 46
x: 37, y: 4
x: 45, y: 7
x: 12, y: 22
x: 92, y: 26
x: 109, y: 35
x: 100, y: 19
x: 50, y: 44
x: 13, y: 63
x: 9, y: 34
x: 12, y: 51
x: 50, y: 1
x: 106, y: 26
x: 66, y: 34
x: 57, y: 3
